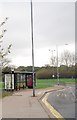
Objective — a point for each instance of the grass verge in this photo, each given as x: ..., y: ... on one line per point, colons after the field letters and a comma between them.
x: 44, y: 83
x: 6, y: 93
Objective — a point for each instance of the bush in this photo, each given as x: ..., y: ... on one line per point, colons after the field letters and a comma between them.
x: 44, y: 74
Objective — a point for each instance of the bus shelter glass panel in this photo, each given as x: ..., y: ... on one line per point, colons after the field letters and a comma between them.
x: 18, y: 79
x: 22, y: 80
x: 9, y: 81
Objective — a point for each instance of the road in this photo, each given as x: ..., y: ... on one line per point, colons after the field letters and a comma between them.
x: 64, y: 101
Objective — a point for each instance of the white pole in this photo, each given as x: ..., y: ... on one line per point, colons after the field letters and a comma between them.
x: 57, y: 65
x: 32, y: 49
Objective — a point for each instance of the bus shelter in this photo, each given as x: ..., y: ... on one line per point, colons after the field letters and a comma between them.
x: 17, y: 80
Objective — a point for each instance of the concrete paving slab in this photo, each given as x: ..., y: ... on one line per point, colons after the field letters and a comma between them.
x: 22, y: 105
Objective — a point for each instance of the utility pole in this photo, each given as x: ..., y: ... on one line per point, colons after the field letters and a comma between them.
x: 57, y: 65
x: 32, y: 49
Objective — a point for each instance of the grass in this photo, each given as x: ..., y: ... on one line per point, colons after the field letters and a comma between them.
x: 6, y: 93
x: 1, y: 85
x: 67, y: 80
x: 44, y: 83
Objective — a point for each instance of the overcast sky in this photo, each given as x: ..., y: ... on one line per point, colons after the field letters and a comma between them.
x: 53, y: 24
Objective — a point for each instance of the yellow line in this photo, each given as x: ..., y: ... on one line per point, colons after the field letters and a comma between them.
x: 52, y: 110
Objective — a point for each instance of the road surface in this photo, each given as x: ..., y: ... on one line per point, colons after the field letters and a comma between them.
x: 64, y: 101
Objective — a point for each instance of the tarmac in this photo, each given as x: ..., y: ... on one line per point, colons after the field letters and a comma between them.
x: 22, y: 104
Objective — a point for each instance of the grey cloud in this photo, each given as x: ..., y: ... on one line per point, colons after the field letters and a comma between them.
x: 53, y: 23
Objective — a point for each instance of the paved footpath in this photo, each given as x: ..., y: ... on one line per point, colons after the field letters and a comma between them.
x: 23, y: 105
x: 0, y: 108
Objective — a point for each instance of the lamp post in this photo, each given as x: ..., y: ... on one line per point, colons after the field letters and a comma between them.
x: 56, y: 61
x: 57, y: 65
x: 52, y: 51
x: 53, y: 61
x: 32, y: 48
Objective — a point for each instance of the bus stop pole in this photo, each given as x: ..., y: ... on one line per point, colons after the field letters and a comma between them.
x: 32, y: 49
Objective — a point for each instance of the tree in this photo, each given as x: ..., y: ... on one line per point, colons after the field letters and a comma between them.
x: 21, y: 68
x: 67, y: 72
x: 53, y: 58
x: 7, y: 69
x: 3, y: 53
x: 72, y: 59
x: 53, y: 61
x: 67, y: 58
